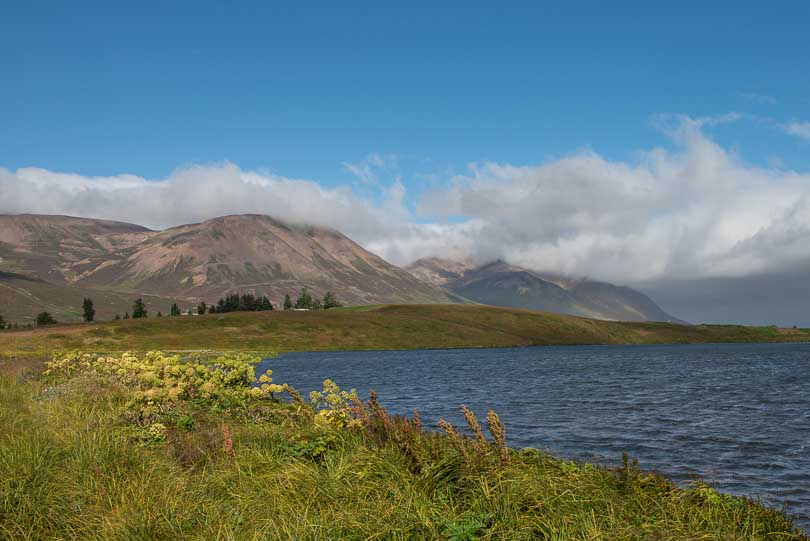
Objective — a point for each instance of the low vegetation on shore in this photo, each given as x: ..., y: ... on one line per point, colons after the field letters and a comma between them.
x: 372, y: 327
x: 157, y: 446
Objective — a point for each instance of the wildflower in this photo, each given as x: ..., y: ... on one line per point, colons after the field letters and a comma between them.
x: 472, y: 422
x: 157, y: 431
x: 498, y: 432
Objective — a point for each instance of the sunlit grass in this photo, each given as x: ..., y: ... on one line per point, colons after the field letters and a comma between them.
x: 378, y: 327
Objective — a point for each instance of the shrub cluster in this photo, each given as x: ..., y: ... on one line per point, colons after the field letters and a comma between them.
x: 157, y: 384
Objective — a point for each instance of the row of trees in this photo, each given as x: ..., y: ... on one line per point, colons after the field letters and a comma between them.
x: 43, y: 318
x: 306, y: 301
x: 246, y: 302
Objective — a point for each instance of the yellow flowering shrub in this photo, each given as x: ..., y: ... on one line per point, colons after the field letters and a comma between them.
x: 157, y: 383
x: 335, y: 406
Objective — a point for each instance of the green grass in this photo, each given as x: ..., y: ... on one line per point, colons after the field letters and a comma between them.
x: 378, y: 327
x: 74, y: 466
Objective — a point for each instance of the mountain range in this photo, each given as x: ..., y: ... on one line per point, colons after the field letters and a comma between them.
x: 51, y: 262
x: 501, y: 284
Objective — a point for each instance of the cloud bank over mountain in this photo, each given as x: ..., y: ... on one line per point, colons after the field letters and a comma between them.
x: 695, y: 212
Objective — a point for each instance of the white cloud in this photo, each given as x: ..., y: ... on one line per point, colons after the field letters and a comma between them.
x: 697, y: 211
x: 187, y: 195
x: 799, y: 129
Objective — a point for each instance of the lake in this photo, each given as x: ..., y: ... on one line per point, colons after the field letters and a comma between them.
x: 735, y: 415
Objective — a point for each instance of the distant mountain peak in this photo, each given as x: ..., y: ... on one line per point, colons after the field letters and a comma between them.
x: 502, y: 284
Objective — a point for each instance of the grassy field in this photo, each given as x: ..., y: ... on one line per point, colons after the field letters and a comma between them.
x: 381, y: 327
x: 158, y: 447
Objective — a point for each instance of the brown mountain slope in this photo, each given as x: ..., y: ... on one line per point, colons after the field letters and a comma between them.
x: 501, y: 284
x: 247, y: 253
x: 52, y: 248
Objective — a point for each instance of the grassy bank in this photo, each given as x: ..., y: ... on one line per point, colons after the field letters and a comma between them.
x: 164, y: 448
x: 382, y: 327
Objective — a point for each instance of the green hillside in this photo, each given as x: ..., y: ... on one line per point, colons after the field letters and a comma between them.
x: 380, y: 327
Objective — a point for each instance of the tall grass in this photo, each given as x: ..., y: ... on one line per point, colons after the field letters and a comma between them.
x: 76, y: 464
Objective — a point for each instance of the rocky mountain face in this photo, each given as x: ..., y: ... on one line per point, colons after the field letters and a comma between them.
x: 246, y: 253
x: 501, y: 284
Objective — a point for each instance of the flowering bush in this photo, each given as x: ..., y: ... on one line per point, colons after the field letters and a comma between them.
x: 335, y: 406
x: 157, y: 383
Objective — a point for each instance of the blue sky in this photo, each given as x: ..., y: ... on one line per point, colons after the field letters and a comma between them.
x: 660, y: 145
x: 102, y: 88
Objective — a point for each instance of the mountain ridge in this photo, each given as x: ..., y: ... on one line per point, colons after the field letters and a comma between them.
x: 502, y: 284
x: 205, y: 260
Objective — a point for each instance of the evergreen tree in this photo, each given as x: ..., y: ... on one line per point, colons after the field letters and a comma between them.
x: 89, y: 311
x: 2, y: 323
x: 175, y: 311
x: 330, y: 301
x: 160, y: 314
x: 287, y: 302
x: 247, y: 302
x: 212, y: 309
x: 117, y: 317
x: 44, y: 318
x: 304, y: 300
x: 138, y: 309
x: 126, y: 315
x: 201, y: 308
x: 265, y: 304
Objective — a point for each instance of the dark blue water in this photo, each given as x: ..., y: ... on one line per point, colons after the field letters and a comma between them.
x: 737, y: 416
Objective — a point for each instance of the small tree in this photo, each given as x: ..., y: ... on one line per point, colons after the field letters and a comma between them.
x: 139, y: 309
x: 126, y: 315
x: 89, y: 311
x: 44, y: 318
x: 330, y: 301
x: 117, y: 317
x: 304, y: 300
x: 287, y: 302
x: 201, y: 308
x: 160, y: 314
x: 175, y: 311
x: 2, y: 323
